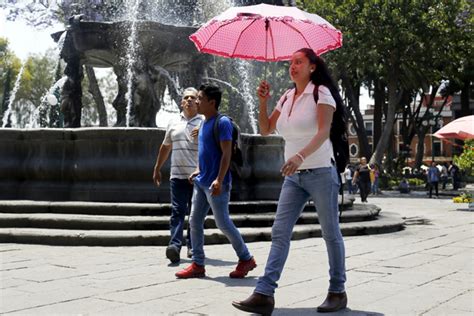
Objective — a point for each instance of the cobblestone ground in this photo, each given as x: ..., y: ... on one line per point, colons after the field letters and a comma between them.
x: 426, y: 269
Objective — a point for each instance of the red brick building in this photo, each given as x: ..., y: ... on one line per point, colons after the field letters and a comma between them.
x: 441, y: 151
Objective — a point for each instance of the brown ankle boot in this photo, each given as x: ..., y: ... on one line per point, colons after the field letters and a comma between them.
x: 256, y: 303
x: 333, y: 302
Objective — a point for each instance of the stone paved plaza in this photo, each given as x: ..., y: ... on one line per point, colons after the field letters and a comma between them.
x: 426, y: 269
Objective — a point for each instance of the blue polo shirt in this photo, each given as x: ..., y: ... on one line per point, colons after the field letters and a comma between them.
x: 209, y: 154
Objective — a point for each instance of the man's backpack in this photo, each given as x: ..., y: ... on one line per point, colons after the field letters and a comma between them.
x: 338, y: 133
x: 236, y: 161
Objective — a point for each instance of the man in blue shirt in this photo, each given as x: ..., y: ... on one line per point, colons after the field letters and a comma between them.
x: 212, y: 185
x: 433, y: 178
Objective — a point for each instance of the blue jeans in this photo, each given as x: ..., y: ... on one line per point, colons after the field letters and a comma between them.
x: 181, y: 194
x: 350, y: 188
x: 322, y: 185
x: 202, y: 201
x: 375, y: 186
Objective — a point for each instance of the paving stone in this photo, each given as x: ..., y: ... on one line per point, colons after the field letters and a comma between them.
x: 89, y: 306
x: 424, y: 269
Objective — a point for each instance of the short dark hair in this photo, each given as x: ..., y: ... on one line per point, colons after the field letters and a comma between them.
x: 212, y: 93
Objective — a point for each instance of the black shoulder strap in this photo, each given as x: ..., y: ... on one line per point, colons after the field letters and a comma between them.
x: 285, y: 97
x: 216, y: 129
x: 316, y: 94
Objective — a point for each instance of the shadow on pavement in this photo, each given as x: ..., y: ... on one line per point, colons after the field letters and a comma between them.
x: 249, y: 281
x: 312, y: 311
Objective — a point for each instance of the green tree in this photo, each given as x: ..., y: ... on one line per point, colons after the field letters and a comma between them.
x: 403, y: 46
x: 465, y: 161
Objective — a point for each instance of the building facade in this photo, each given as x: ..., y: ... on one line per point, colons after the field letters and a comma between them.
x: 434, y: 148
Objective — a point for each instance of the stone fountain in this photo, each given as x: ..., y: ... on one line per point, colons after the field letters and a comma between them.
x: 161, y: 49
x: 84, y: 174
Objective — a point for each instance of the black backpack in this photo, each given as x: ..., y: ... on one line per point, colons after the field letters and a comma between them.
x: 236, y: 161
x: 337, y: 135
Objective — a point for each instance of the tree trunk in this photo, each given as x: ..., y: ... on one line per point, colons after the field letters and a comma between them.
x: 97, y: 95
x: 379, y: 101
x: 394, y: 97
x: 352, y: 93
x: 465, y: 110
x: 420, y: 148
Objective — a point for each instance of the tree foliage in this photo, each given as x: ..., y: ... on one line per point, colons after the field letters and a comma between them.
x: 408, y: 46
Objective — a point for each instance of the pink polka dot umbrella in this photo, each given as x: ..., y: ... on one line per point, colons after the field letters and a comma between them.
x: 266, y: 33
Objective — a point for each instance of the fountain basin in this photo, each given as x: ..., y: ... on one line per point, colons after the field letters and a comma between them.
x: 115, y: 165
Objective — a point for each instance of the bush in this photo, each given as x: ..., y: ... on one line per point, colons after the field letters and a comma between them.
x: 466, y: 160
x: 463, y: 198
x: 413, y: 182
x: 416, y: 182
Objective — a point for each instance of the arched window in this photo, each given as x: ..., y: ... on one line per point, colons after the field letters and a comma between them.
x: 354, y: 150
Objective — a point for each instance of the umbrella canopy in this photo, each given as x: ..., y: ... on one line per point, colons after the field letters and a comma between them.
x: 266, y: 33
x: 461, y: 128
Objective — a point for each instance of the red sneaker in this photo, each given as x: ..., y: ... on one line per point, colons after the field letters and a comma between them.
x: 243, y: 267
x: 193, y: 271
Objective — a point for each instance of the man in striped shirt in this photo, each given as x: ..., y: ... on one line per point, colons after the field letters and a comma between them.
x: 181, y: 140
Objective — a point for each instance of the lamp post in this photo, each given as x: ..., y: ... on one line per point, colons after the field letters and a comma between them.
x: 432, y: 122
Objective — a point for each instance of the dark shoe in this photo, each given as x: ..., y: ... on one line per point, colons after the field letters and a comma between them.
x: 257, y: 303
x: 333, y: 303
x: 190, y: 253
x: 243, y: 267
x: 172, y: 253
x: 193, y: 271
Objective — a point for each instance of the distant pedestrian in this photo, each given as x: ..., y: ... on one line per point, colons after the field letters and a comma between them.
x: 348, y: 173
x: 444, y: 175
x: 362, y: 178
x: 181, y: 140
x: 433, y: 178
x: 453, y: 171
x: 374, y: 178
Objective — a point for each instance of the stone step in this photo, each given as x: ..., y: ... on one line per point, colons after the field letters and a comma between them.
x: 101, y: 222
x: 134, y: 209
x: 385, y: 223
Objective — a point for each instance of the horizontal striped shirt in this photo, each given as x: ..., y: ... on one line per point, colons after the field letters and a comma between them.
x: 184, y: 154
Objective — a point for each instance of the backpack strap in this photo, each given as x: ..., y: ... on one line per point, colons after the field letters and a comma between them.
x: 285, y: 97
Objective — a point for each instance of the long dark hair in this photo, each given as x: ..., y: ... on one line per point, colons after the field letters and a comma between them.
x: 322, y: 76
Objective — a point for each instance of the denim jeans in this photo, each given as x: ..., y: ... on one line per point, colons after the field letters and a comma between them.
x: 322, y: 185
x: 202, y: 201
x: 181, y: 193
x: 375, y: 186
x: 350, y: 187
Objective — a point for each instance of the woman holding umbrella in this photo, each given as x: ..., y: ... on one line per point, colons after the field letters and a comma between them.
x: 309, y: 174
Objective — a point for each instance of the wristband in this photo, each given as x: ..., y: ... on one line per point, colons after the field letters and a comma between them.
x: 300, y: 156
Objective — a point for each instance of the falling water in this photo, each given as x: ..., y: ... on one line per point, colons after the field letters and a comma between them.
x: 58, y: 50
x: 132, y: 9
x: 244, y: 68
x: 36, y: 120
x: 6, y: 115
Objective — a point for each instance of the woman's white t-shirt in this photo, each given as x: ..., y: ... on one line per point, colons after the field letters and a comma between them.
x: 302, y: 125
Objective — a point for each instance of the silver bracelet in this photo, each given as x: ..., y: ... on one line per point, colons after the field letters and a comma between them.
x: 301, y: 156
